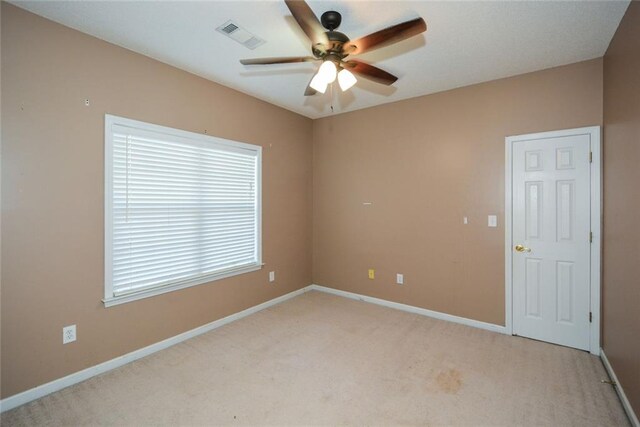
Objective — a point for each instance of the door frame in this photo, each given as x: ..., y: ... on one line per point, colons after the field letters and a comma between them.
x: 595, y: 133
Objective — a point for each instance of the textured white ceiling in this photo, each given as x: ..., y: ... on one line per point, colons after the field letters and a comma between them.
x: 465, y: 43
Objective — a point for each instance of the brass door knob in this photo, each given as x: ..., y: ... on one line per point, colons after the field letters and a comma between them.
x: 520, y: 248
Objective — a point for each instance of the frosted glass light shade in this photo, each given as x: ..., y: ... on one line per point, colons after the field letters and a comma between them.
x: 328, y: 71
x: 318, y: 83
x: 346, y: 79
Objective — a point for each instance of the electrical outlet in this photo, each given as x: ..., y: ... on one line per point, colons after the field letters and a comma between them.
x: 68, y: 334
x: 400, y: 279
x: 372, y: 273
x: 272, y: 276
x: 465, y: 220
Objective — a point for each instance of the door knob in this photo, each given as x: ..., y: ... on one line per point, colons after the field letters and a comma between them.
x: 520, y: 248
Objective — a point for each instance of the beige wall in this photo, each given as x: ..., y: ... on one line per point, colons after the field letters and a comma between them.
x: 52, y: 197
x: 425, y: 163
x: 621, y: 261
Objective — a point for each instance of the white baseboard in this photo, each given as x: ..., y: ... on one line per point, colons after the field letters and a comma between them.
x: 412, y: 309
x: 623, y: 397
x: 55, y: 385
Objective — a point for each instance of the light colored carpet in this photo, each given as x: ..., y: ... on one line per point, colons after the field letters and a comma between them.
x: 323, y: 359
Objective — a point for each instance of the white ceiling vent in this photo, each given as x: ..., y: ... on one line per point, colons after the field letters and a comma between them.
x: 242, y: 36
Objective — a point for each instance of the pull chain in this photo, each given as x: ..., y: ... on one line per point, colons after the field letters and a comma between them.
x: 331, y: 94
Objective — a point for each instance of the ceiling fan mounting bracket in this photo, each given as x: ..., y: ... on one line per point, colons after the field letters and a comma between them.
x: 331, y: 20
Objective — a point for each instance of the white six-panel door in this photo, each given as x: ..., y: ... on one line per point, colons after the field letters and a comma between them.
x: 551, y: 239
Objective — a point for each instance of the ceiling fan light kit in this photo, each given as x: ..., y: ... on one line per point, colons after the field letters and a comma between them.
x: 332, y: 47
x: 328, y: 71
x: 346, y: 79
x: 318, y: 84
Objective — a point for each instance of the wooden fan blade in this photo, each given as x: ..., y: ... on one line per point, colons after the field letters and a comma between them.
x: 370, y: 72
x: 385, y: 37
x: 308, y: 21
x: 267, y: 61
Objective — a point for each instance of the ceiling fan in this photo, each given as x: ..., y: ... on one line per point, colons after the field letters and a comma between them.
x: 332, y: 47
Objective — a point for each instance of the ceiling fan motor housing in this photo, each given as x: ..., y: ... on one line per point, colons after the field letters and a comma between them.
x: 331, y: 20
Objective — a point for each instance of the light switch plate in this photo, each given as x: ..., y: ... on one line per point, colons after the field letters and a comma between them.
x: 493, y: 220
x: 400, y: 279
x: 272, y: 276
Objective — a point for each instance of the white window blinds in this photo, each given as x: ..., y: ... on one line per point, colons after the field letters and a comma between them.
x: 182, y: 208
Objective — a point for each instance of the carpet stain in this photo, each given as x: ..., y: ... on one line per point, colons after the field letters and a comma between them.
x: 449, y: 381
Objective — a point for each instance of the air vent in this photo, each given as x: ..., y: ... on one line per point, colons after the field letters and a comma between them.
x: 229, y: 28
x: 242, y: 36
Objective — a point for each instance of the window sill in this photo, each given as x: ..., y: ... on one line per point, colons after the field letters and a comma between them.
x: 146, y: 293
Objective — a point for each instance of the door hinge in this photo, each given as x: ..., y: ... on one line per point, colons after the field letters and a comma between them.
x: 590, y: 317
x: 590, y: 156
x: 591, y: 237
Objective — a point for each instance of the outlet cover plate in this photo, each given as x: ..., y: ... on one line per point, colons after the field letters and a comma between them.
x: 68, y: 334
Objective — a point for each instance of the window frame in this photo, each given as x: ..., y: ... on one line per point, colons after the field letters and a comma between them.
x: 110, y: 299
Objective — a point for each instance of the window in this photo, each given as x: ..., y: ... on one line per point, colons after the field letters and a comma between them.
x: 181, y: 209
